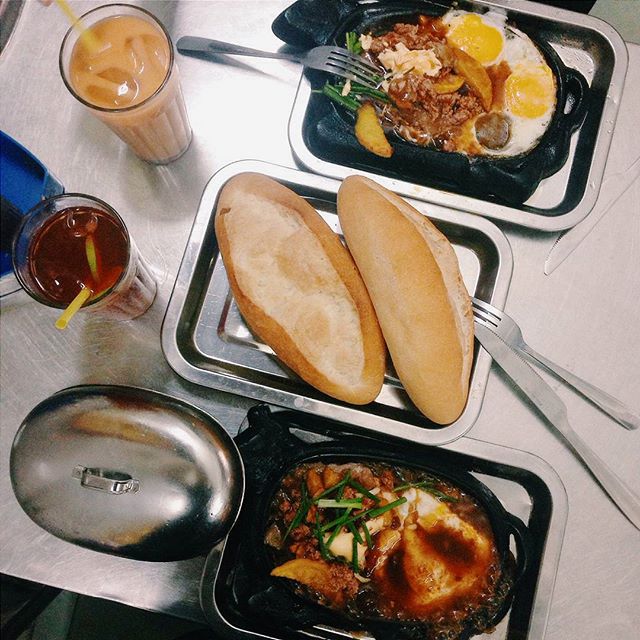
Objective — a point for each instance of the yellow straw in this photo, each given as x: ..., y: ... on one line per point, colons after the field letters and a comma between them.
x: 86, y: 35
x: 92, y: 258
x: 73, y: 308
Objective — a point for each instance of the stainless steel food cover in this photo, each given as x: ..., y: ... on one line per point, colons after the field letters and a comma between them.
x: 127, y: 471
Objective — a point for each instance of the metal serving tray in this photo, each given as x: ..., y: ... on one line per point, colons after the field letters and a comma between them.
x: 526, y: 486
x: 583, y: 42
x: 206, y: 341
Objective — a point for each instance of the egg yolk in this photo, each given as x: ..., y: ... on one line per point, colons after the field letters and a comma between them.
x: 529, y: 92
x: 480, y: 40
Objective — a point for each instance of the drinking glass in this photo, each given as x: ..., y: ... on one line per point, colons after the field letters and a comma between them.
x: 128, y: 78
x: 74, y: 241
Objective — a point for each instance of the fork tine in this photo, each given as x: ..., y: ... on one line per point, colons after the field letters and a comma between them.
x: 352, y: 74
x: 353, y: 59
x: 349, y: 66
x: 485, y: 313
x: 486, y: 308
x: 486, y: 320
x: 357, y: 77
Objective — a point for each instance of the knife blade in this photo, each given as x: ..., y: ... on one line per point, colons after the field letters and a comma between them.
x: 555, y: 411
x: 611, y: 191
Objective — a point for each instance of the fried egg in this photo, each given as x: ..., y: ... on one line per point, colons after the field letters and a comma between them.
x: 526, y: 96
x: 481, y: 36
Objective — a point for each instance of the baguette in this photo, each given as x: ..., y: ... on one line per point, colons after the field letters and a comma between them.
x: 414, y: 281
x: 298, y: 288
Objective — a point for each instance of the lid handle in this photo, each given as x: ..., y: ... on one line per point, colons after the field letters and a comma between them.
x: 103, y: 480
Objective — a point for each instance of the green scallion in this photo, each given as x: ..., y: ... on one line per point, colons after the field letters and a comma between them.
x: 367, y: 535
x: 322, y: 547
x: 353, y: 42
x: 301, y: 513
x: 327, y: 503
x: 355, y: 533
x: 334, y: 94
x: 378, y: 511
x: 427, y: 485
x: 365, y: 492
x: 363, y: 90
x: 337, y: 486
x: 354, y: 555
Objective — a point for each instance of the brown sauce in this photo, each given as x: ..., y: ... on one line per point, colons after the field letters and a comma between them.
x: 443, y: 569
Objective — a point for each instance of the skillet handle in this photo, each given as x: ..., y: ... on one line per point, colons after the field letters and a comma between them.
x: 524, y: 544
x: 576, y: 99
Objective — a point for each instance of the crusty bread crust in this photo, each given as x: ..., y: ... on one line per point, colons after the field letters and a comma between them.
x: 298, y: 288
x: 414, y: 281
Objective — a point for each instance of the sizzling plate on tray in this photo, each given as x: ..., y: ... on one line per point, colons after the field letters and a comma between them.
x: 329, y: 128
x: 551, y: 187
x: 524, y: 501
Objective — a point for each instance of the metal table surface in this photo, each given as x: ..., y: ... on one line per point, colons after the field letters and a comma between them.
x: 585, y: 315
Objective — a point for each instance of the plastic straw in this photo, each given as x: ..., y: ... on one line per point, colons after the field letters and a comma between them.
x: 86, y: 35
x: 92, y: 258
x: 73, y: 308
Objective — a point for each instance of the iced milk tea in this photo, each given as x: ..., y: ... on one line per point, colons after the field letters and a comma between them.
x: 130, y: 80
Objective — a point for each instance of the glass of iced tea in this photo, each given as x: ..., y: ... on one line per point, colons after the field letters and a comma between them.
x: 72, y: 242
x: 126, y: 75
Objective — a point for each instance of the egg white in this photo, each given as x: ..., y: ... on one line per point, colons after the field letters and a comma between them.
x: 521, y: 54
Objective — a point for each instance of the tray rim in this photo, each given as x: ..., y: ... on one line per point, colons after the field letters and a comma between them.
x: 324, y: 407
x: 504, y: 213
x: 489, y: 451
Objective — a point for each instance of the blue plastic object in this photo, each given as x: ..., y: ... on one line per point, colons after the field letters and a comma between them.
x: 24, y: 181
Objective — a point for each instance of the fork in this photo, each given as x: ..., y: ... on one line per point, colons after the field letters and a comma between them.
x: 336, y: 60
x: 507, y: 329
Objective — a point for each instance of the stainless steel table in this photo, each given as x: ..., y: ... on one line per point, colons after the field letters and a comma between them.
x: 585, y: 315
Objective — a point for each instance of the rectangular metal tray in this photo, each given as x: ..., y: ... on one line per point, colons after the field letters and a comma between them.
x: 206, y: 341
x: 584, y: 42
x: 526, y: 486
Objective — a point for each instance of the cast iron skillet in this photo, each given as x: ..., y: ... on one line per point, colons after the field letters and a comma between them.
x: 328, y: 128
x: 269, y: 450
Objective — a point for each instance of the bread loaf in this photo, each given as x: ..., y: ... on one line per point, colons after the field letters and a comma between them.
x: 298, y: 288
x: 414, y: 281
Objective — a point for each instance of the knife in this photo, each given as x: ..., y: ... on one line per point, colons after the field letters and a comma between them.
x: 555, y: 411
x: 611, y: 191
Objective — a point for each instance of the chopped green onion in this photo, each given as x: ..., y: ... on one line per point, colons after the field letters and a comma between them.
x: 378, y: 511
x: 367, y: 535
x: 334, y: 94
x: 355, y: 503
x: 322, y: 547
x: 361, y: 89
x: 338, y: 521
x: 353, y: 42
x: 365, y: 492
x: 301, y: 513
x: 412, y: 485
x: 338, y: 486
x: 370, y: 513
x: 427, y: 485
x: 355, y: 533
x: 332, y: 537
x: 354, y: 555
x: 443, y: 497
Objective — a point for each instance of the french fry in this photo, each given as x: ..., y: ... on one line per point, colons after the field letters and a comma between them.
x: 449, y: 84
x: 370, y: 133
x: 475, y: 76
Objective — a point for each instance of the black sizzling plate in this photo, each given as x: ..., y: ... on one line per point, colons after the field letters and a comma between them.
x: 249, y: 599
x: 328, y: 128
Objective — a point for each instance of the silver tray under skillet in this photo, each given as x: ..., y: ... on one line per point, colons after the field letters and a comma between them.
x: 527, y: 486
x: 583, y: 42
x: 206, y: 341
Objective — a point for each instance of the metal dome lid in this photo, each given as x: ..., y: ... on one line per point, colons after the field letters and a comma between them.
x: 127, y: 471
